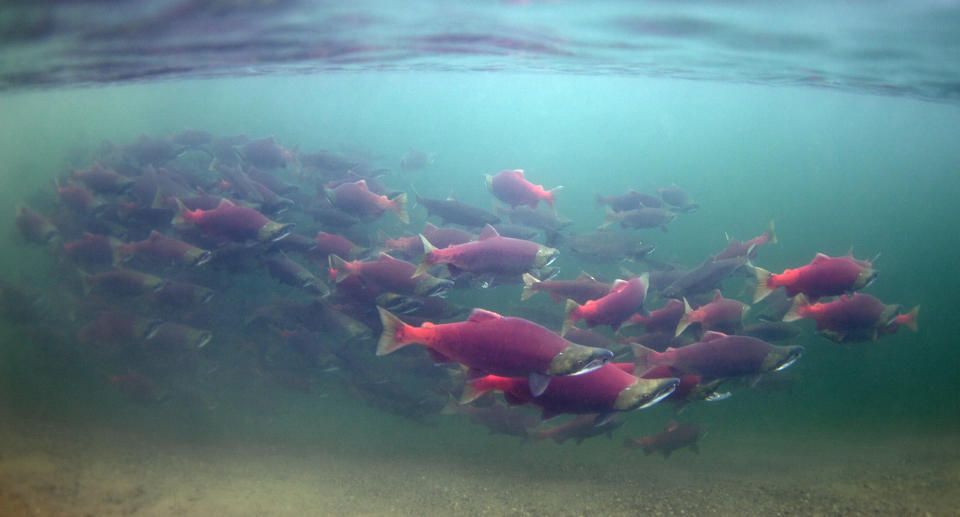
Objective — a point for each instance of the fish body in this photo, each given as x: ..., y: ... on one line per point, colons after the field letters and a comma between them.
x: 289, y: 272
x: 333, y: 244
x: 580, y: 429
x: 848, y: 318
x: 453, y: 211
x: 581, y: 290
x: 823, y: 276
x: 610, y: 246
x: 357, y: 199
x: 511, y: 187
x: 643, y: 217
x: 233, y: 222
x: 674, y: 436
x: 103, y: 180
x: 677, y: 198
x: 494, y: 344
x: 389, y: 274
x: 629, y: 201
x: 122, y: 282
x: 718, y: 356
x: 490, y: 253
x: 625, y: 298
x: 661, y: 320
x: 166, y: 250
x: 94, y: 250
x: 748, y: 248
x: 721, y: 314
x: 34, y: 227
x: 602, y: 391
x: 705, y: 277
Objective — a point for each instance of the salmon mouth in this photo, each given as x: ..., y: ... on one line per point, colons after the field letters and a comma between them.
x: 661, y: 393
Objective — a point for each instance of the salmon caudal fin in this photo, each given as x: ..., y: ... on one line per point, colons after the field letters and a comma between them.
x: 642, y: 359
x: 570, y: 316
x: 771, y: 234
x: 529, y: 281
x: 474, y: 390
x: 389, y: 341
x: 799, y: 302
x: 340, y: 266
x: 398, y: 205
x: 763, y: 278
x: 551, y: 198
x: 488, y: 182
x: 182, y: 216
x: 909, y: 319
x: 425, y: 263
x: 685, y: 320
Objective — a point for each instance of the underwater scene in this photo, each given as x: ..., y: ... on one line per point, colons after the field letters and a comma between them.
x: 513, y: 258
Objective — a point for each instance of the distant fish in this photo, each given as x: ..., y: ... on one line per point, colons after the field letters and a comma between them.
x: 719, y: 356
x: 748, y: 248
x: 490, y: 253
x: 677, y: 198
x: 851, y: 318
x: 625, y: 298
x: 721, y: 315
x: 356, y: 199
x: 581, y: 290
x: 511, y: 187
x: 823, y: 276
x: 453, y: 211
x: 674, y: 436
x: 580, y: 429
x: 414, y: 160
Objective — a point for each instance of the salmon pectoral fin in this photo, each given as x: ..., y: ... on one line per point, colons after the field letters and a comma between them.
x: 538, y: 383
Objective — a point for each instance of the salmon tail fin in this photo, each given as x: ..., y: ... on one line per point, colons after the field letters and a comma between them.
x: 181, y: 217
x: 425, y: 263
x: 389, y: 341
x: 763, y: 278
x: 685, y: 320
x: 551, y: 198
x: 799, y: 301
x: 569, y: 316
x: 488, y: 182
x: 642, y: 359
x: 529, y: 281
x: 771, y: 233
x: 473, y: 390
x: 398, y: 205
x: 910, y: 319
x: 340, y: 266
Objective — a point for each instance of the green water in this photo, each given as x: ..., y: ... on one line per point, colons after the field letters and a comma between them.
x: 834, y: 171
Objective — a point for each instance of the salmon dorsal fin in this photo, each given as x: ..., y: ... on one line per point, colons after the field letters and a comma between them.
x: 717, y: 296
x: 712, y: 336
x: 618, y: 284
x: 383, y: 255
x: 362, y: 184
x: 584, y: 277
x: 154, y: 235
x: 520, y: 172
x: 429, y: 227
x: 451, y: 197
x: 671, y: 425
x: 820, y: 258
x: 488, y: 233
x: 479, y: 315
x: 225, y: 202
